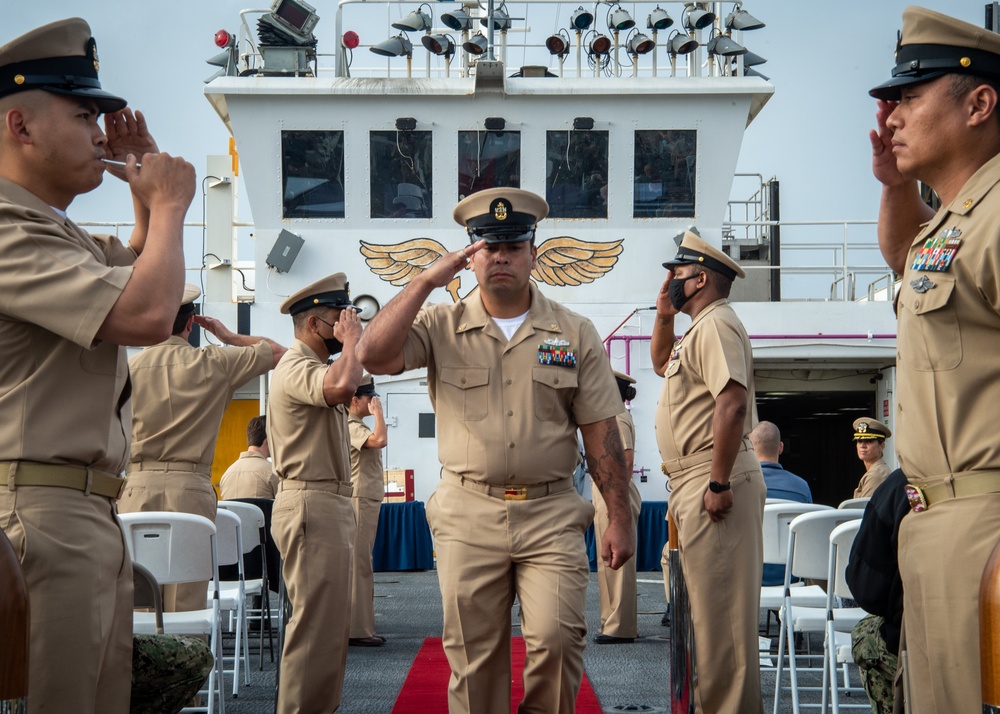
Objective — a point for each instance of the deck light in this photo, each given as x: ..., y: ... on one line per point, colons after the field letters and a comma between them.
x: 227, y: 60
x: 351, y: 40
x: 439, y: 44
x: 681, y: 44
x: 457, y: 20
x: 752, y: 59
x: 600, y: 45
x: 621, y: 20
x: 476, y: 45
x: 495, y: 123
x: 659, y: 19
x: 696, y: 17
x: 558, y: 44
x: 406, y: 124
x: 725, y: 46
x: 222, y: 38
x: 583, y: 123
x: 397, y: 46
x: 639, y: 44
x: 581, y: 19
x: 501, y: 21
x: 416, y: 21
x: 740, y: 19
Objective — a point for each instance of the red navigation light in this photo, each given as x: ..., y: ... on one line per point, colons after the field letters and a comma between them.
x: 222, y: 38
x: 351, y: 40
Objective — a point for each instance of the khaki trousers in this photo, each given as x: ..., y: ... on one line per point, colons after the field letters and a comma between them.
x: 180, y: 492
x: 722, y: 565
x: 314, y: 530
x: 942, y: 554
x: 488, y: 550
x: 366, y: 512
x: 79, y: 579
x: 618, y: 589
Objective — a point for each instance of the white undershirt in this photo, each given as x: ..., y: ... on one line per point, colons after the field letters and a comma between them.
x: 508, y: 326
x: 61, y: 212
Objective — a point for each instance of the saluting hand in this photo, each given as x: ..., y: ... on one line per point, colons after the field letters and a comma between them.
x: 375, y: 406
x: 442, y: 270
x: 348, y: 328
x: 214, y: 326
x: 664, y: 308
x: 127, y: 134
x: 883, y: 160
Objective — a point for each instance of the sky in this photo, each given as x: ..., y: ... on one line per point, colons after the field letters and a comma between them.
x: 823, y: 57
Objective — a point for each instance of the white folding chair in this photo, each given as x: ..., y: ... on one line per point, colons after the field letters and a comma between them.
x: 840, y: 620
x: 808, y: 557
x: 232, y: 595
x: 180, y: 548
x: 855, y: 502
x: 252, y: 530
x: 777, y: 515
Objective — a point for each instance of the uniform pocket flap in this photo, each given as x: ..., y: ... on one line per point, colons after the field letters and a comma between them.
x: 555, y: 377
x: 933, y: 298
x: 465, y: 377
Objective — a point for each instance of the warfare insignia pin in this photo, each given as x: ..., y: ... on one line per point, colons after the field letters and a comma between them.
x: 92, y: 53
x: 556, y: 342
x: 921, y: 285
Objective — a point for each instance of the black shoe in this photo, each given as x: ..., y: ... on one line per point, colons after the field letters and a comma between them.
x: 380, y: 637
x: 365, y: 642
x: 609, y: 640
x: 665, y: 620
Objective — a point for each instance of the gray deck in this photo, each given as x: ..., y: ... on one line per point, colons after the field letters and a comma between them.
x: 626, y: 678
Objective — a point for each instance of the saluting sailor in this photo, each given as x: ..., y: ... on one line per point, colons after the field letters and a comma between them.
x: 313, y: 518
x: 512, y: 375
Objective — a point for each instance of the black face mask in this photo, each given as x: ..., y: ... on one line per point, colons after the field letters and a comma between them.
x: 333, y: 345
x: 675, y: 291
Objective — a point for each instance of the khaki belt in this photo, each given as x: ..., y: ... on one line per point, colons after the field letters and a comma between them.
x: 686, y: 462
x: 512, y: 492
x: 79, y: 478
x: 342, y: 488
x: 168, y: 466
x: 977, y: 484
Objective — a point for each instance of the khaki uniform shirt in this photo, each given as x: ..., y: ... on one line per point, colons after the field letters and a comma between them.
x: 308, y: 438
x: 366, y: 464
x: 949, y: 378
x: 250, y: 476
x: 872, y: 479
x: 64, y: 396
x: 180, y: 394
x: 504, y: 417
x: 714, y: 350
x: 626, y: 427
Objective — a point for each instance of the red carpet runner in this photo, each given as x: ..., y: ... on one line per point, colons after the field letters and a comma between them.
x: 425, y: 690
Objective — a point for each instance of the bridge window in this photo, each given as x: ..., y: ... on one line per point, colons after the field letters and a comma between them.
x: 488, y: 159
x: 401, y: 175
x: 576, y: 174
x: 664, y: 173
x: 312, y: 174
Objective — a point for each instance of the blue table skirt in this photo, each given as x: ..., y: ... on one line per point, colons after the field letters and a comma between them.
x: 652, y: 534
x: 403, y: 539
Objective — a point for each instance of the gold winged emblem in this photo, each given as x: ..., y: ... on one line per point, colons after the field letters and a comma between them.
x: 561, y: 261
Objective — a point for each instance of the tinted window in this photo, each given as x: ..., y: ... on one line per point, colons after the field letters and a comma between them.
x: 664, y: 173
x: 401, y: 174
x: 488, y: 159
x: 576, y: 174
x: 312, y: 174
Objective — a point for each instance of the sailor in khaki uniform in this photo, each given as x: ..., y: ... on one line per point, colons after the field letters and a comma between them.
x: 369, y: 490
x: 68, y: 300
x: 705, y: 412
x: 618, y: 590
x: 313, y: 517
x: 869, y: 437
x: 938, y: 123
x: 512, y: 375
x: 251, y: 475
x: 179, y: 395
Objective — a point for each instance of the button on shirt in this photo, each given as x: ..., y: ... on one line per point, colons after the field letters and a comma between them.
x: 505, y: 418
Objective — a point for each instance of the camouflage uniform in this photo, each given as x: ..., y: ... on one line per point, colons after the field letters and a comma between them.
x: 876, y: 663
x: 167, y: 672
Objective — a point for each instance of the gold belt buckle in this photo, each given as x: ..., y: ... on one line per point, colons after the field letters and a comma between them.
x: 918, y: 502
x: 515, y: 494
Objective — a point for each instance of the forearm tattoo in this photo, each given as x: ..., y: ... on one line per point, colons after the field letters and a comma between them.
x: 611, y: 460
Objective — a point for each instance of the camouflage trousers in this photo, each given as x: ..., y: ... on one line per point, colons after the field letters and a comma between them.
x: 167, y: 672
x: 876, y: 663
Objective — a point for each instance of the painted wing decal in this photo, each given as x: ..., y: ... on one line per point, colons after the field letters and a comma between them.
x: 398, y: 264
x: 569, y: 261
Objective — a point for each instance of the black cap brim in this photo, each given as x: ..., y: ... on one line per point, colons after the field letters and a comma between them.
x: 106, y: 102
x: 890, y: 91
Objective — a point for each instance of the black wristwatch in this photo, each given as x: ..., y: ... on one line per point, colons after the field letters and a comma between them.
x: 716, y: 487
